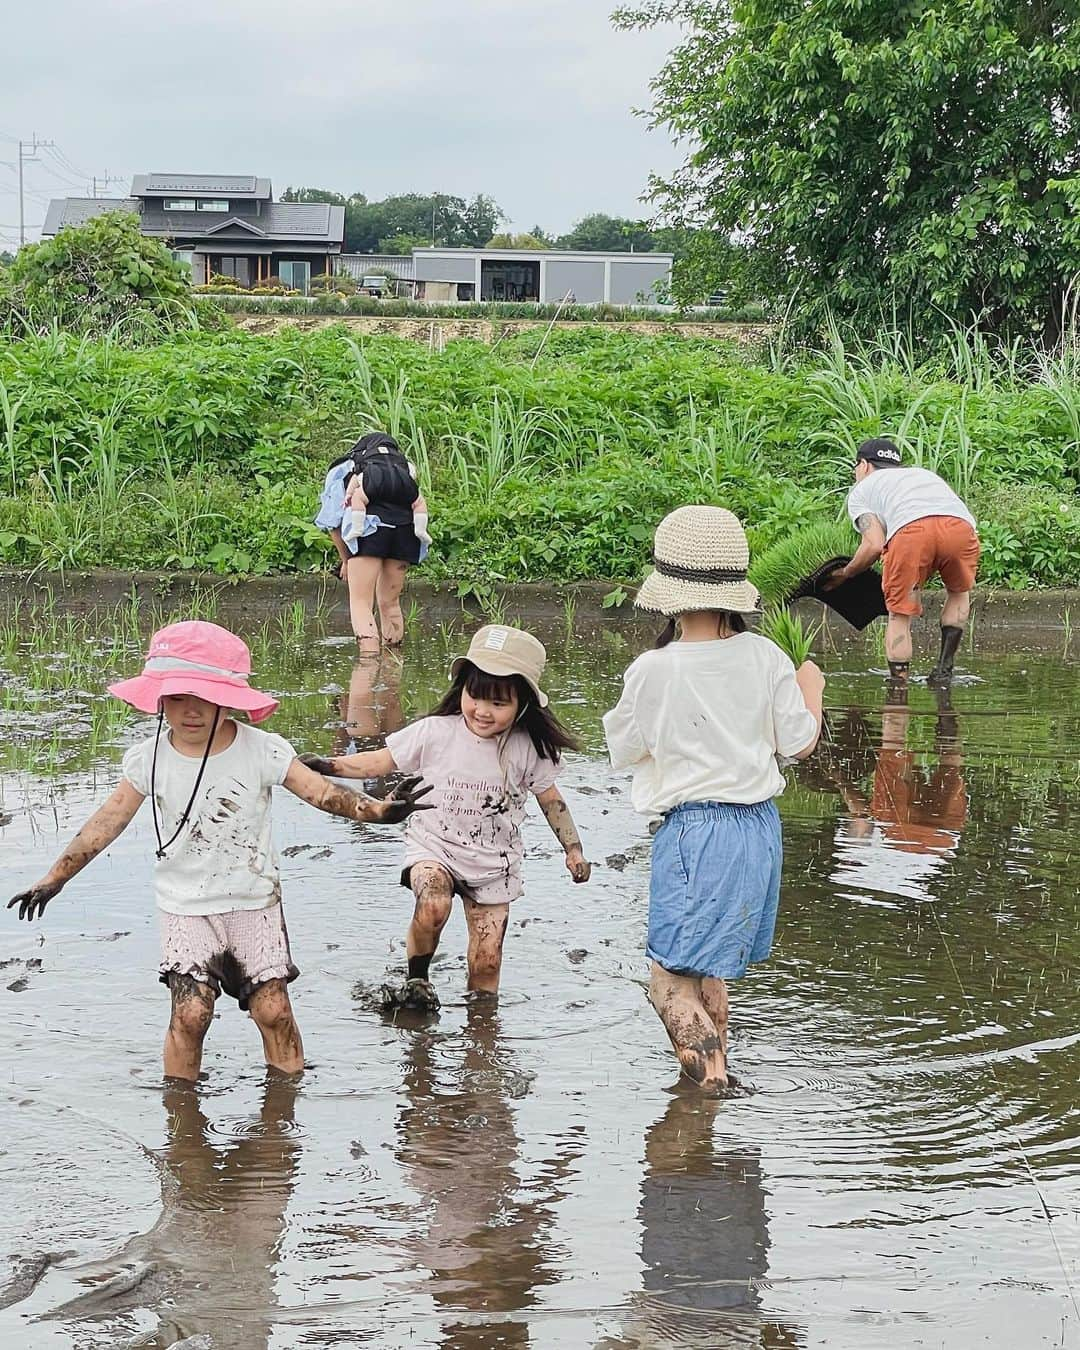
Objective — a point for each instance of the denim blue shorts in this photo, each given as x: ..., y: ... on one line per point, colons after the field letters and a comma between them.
x: 715, y: 888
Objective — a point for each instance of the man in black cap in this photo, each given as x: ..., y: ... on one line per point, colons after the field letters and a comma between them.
x: 921, y: 526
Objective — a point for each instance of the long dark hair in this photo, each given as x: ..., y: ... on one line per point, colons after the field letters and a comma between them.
x: 367, y: 445
x: 725, y: 618
x: 546, y: 732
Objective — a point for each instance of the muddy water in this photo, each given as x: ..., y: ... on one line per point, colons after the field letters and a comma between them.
x: 905, y: 1173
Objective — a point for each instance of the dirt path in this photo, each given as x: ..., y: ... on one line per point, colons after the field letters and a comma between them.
x: 437, y: 332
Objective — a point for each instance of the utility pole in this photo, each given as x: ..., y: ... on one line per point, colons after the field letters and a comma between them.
x: 105, y: 179
x: 27, y: 158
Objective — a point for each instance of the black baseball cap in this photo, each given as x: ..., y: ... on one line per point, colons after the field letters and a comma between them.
x: 878, y: 451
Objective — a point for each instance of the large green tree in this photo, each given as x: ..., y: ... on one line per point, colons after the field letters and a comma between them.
x: 875, y: 155
x: 602, y: 233
x: 394, y: 224
x: 104, y: 275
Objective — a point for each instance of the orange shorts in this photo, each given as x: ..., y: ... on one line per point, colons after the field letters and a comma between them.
x: 918, y: 814
x: 943, y: 544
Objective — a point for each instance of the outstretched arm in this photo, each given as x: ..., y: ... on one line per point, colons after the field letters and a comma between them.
x: 312, y: 788
x: 557, y: 814
x: 105, y: 825
x: 367, y: 764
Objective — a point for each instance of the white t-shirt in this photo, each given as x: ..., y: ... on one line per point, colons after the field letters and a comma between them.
x: 224, y: 858
x: 704, y: 722
x: 479, y: 796
x: 899, y: 496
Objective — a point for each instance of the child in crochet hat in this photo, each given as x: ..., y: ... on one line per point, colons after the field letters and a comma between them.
x: 701, y: 721
x: 209, y: 780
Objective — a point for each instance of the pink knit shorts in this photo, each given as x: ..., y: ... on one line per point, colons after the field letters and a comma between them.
x: 234, y: 952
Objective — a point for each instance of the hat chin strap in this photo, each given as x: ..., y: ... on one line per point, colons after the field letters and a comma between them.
x: 194, y: 791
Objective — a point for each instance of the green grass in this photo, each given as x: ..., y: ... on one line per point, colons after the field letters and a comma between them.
x: 207, y: 450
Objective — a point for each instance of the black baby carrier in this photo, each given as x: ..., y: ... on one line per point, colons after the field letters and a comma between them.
x: 389, y: 485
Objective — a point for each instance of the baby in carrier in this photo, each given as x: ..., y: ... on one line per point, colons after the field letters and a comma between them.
x: 383, y: 492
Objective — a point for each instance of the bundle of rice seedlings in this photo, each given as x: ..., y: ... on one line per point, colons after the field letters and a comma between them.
x: 780, y: 625
x: 777, y: 572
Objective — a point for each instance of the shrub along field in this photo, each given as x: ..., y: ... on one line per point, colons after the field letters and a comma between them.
x: 543, y: 457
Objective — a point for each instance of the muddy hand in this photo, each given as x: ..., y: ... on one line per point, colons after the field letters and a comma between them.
x: 404, y: 800
x: 32, y: 902
x: 834, y: 579
x: 577, y: 865
x: 318, y: 765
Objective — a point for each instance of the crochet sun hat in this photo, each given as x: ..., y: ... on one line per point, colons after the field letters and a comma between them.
x: 499, y: 650
x: 700, y: 557
x: 197, y: 658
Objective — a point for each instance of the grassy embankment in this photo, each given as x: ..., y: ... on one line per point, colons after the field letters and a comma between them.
x: 541, y: 462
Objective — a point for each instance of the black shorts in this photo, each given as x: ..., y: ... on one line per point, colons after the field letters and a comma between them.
x: 398, y: 543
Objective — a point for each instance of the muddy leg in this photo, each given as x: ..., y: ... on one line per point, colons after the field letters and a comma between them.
x: 689, y: 1024
x: 487, y: 930
x: 434, y: 891
x: 272, y: 1013
x: 362, y: 575
x: 898, y: 640
x: 391, y: 582
x: 192, y: 1013
x: 714, y: 995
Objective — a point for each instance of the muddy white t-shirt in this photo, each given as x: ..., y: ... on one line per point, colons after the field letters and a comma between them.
x: 224, y: 858
x: 479, y: 797
x: 705, y: 721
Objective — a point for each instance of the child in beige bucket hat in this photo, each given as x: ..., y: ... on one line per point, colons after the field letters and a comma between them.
x: 490, y: 742
x: 701, y: 722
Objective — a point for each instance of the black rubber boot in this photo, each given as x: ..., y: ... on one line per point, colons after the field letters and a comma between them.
x: 896, y: 689
x: 950, y: 641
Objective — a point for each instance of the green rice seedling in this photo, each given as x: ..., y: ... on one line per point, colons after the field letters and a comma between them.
x: 778, y: 570
x: 784, y: 627
x: 569, y: 614
x: 291, y: 622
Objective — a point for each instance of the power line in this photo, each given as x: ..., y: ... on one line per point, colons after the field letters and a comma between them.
x: 60, y: 172
x: 72, y: 168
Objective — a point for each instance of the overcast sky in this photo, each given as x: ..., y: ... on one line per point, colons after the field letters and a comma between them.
x: 528, y: 100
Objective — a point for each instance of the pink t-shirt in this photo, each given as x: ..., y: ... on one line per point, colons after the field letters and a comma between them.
x: 475, y: 828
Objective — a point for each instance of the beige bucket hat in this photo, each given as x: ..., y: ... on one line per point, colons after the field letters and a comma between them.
x: 700, y: 556
x: 500, y: 650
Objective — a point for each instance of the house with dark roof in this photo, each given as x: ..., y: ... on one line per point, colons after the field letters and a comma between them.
x: 223, y: 225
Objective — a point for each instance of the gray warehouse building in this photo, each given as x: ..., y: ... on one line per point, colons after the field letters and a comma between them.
x: 448, y: 274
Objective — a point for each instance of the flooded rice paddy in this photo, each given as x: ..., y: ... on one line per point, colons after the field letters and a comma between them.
x: 906, y: 1171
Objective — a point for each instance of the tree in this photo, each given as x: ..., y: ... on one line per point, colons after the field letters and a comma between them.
x: 94, y: 277
x: 516, y: 241
x: 872, y: 152
x: 396, y: 224
x: 6, y: 258
x: 601, y: 233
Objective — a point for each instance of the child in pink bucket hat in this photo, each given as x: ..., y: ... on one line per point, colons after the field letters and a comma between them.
x: 218, y: 890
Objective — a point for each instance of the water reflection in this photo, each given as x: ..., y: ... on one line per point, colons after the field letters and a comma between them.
x: 905, y: 832
x: 704, y: 1238
x: 485, y: 1234
x: 371, y: 707
x: 207, y: 1267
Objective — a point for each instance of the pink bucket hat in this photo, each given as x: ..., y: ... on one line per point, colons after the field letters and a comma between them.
x: 197, y: 658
